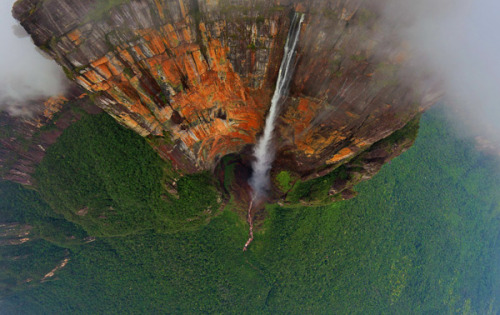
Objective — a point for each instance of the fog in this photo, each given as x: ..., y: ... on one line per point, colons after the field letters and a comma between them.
x: 458, y: 43
x: 26, y: 76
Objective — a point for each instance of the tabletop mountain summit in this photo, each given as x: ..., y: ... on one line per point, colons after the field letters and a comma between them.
x: 197, y: 77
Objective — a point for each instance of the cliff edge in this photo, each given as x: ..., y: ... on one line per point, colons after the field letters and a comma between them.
x: 196, y: 76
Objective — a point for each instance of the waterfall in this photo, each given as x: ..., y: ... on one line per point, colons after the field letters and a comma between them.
x: 264, y: 152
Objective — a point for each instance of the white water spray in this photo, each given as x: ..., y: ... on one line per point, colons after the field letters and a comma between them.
x: 263, y: 151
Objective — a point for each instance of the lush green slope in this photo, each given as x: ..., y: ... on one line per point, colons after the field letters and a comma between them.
x: 419, y: 238
x: 32, y: 259
x: 108, y: 179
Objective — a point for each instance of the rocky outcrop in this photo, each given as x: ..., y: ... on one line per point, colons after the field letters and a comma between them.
x: 24, y: 140
x: 369, y: 162
x: 331, y: 183
x: 197, y: 75
x: 14, y: 233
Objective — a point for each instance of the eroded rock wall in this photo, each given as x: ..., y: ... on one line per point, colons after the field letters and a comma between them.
x: 199, y: 73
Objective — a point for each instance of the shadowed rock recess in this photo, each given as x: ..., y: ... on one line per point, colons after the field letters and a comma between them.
x: 199, y: 75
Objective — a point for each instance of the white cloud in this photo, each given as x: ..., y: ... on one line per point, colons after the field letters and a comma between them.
x: 459, y: 42
x: 26, y: 76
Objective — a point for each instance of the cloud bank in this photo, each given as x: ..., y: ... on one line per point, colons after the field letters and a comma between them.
x: 458, y: 42
x: 26, y: 76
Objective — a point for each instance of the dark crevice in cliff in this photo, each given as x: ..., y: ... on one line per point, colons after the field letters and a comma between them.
x: 196, y: 14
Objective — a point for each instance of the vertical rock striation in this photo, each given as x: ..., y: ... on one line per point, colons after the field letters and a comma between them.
x: 199, y: 74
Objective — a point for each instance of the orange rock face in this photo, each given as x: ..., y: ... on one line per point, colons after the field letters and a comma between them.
x: 177, y: 77
x: 343, y: 154
x: 200, y: 74
x: 50, y: 107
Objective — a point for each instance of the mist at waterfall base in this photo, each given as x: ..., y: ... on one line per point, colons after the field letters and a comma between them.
x: 458, y: 43
x: 264, y: 152
x: 26, y: 76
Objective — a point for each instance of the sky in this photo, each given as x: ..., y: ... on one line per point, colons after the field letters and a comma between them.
x: 26, y: 76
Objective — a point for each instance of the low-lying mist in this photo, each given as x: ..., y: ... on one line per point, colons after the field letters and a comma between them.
x: 26, y: 76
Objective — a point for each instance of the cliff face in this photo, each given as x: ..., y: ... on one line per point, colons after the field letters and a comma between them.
x: 196, y: 74
x: 23, y: 140
x: 199, y: 74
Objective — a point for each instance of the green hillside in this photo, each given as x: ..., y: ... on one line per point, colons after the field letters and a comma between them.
x: 421, y: 237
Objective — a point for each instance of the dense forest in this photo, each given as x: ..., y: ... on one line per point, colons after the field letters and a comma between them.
x: 110, y: 181
x: 420, y: 237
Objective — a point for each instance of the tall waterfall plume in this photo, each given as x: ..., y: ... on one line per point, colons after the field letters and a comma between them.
x: 264, y: 152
